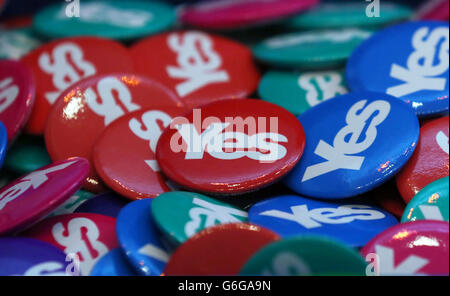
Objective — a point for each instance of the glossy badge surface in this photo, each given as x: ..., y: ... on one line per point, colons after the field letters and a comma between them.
x: 413, y: 248
x: 298, y: 92
x: 3, y: 143
x: 219, y: 250
x: 350, y: 223
x: 430, y: 160
x: 60, y: 63
x: 231, y: 146
x: 31, y: 257
x: 35, y: 195
x: 139, y: 238
x: 229, y: 14
x: 180, y: 215
x: 199, y: 67
x: 113, y: 263
x: 85, y: 237
x: 431, y: 203
x: 119, y: 19
x: 124, y: 154
x: 408, y: 61
x: 17, y: 91
x: 310, y: 49
x: 306, y: 255
x: 14, y: 44
x: 89, y: 106
x: 355, y: 142
x: 342, y: 15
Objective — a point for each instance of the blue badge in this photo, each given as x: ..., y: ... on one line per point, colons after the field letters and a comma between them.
x: 108, y: 204
x: 408, y: 61
x: 139, y: 237
x: 3, y: 143
x: 354, y: 143
x: 26, y: 256
x: 113, y: 263
x: 351, y: 223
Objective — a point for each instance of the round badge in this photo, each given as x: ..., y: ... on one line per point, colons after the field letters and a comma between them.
x: 350, y: 223
x: 230, y: 14
x: 113, y: 263
x: 88, y: 107
x: 84, y: 237
x: 342, y: 15
x: 361, y: 141
x: 35, y: 195
x: 70, y: 205
x: 298, y: 92
x: 199, y: 67
x: 413, y: 248
x: 123, y: 20
x: 433, y: 10
x: 16, y: 43
x: 132, y: 139
x: 30, y: 257
x: 430, y: 160
x: 180, y: 215
x: 59, y: 64
x: 310, y: 50
x: 3, y: 143
x: 408, y: 61
x: 139, y: 238
x: 108, y: 204
x: 27, y: 154
x: 17, y: 89
x: 231, y: 146
x: 431, y: 203
x: 306, y: 255
x: 219, y: 250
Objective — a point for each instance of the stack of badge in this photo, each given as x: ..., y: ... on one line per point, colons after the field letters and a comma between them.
x: 228, y: 137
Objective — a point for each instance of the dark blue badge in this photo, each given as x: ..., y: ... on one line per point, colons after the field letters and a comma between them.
x: 409, y: 61
x: 113, y: 263
x: 354, y: 143
x: 108, y: 204
x: 139, y: 238
x: 3, y: 143
x: 25, y: 256
x: 351, y: 223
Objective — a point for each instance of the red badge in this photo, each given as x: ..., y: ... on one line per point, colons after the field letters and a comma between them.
x: 124, y: 155
x: 388, y: 197
x: 59, y: 64
x: 84, y: 237
x: 199, y: 67
x: 35, y: 195
x: 430, y: 160
x: 82, y: 113
x: 413, y: 248
x: 227, y: 14
x: 231, y: 146
x: 219, y: 250
x: 17, y: 89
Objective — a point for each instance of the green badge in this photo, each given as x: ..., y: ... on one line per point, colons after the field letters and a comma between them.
x: 70, y: 205
x: 305, y: 255
x: 14, y: 44
x: 311, y: 50
x: 27, y: 154
x: 430, y: 203
x: 334, y: 16
x: 297, y: 92
x: 122, y: 20
x: 180, y: 215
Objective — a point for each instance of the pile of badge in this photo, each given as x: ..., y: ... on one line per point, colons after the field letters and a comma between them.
x: 145, y: 150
